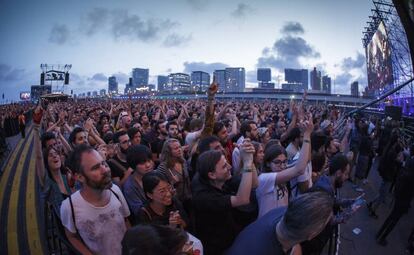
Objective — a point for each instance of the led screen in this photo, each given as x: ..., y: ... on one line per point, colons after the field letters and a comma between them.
x: 379, y: 63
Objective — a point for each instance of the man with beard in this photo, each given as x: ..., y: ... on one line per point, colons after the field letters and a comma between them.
x: 120, y: 169
x: 248, y: 129
x: 95, y: 217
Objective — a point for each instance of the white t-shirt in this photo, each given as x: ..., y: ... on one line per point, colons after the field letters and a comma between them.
x: 269, y: 195
x: 101, y: 228
x: 306, y: 176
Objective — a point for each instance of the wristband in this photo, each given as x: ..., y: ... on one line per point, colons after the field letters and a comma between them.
x: 247, y: 170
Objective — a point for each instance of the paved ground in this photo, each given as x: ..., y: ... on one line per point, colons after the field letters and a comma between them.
x: 365, y: 243
x: 21, y: 231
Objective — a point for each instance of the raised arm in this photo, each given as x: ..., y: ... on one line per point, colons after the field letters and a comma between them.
x: 243, y: 193
x: 209, y: 117
x: 300, y: 166
x: 40, y: 167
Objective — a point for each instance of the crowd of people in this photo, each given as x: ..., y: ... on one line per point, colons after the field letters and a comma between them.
x: 212, y: 177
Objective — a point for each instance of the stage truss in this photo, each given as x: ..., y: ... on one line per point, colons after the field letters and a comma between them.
x: 402, y: 66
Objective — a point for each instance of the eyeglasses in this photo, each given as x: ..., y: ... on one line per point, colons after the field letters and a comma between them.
x: 279, y: 162
x: 125, y: 142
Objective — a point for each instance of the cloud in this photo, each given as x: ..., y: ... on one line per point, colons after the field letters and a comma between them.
x: 175, y: 40
x: 133, y: 27
x: 121, y: 77
x: 251, y: 76
x: 202, y: 66
x: 287, y: 53
x: 292, y: 27
x: 59, y: 34
x: 350, y: 63
x: 7, y: 73
x: 94, y: 21
x: 99, y: 77
x: 242, y: 11
x: 198, y: 5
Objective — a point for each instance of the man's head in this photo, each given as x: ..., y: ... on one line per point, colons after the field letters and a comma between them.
x: 91, y: 169
x: 339, y: 168
x: 161, y: 127
x: 211, y: 142
x: 305, y: 217
x: 144, y: 119
x: 139, y: 158
x: 135, y: 135
x: 48, y: 140
x: 280, y: 127
x: 125, y: 119
x: 330, y: 146
x: 220, y: 130
x: 78, y: 136
x: 248, y: 129
x: 122, y: 138
x: 172, y: 128
x: 212, y: 166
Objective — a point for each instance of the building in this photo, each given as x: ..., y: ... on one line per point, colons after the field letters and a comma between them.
x: 95, y: 93
x: 140, y: 77
x: 235, y: 79
x: 200, y: 81
x: 179, y: 82
x: 102, y: 92
x: 219, y: 76
x: 129, y: 87
x: 264, y: 75
x: 315, y: 79
x: 294, y: 87
x: 112, y: 85
x: 162, y: 82
x: 354, y: 89
x: 326, y: 84
x: 297, y: 76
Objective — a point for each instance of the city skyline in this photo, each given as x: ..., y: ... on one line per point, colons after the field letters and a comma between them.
x: 106, y: 38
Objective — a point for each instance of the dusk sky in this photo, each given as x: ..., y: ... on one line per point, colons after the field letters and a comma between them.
x: 104, y: 38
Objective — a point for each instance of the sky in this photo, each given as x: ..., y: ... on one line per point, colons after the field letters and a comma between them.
x: 100, y: 38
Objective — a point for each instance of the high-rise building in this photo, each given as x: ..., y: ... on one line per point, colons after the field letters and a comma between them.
x: 326, y: 84
x: 219, y: 76
x: 354, y: 89
x: 179, y: 82
x: 140, y: 77
x: 102, y: 92
x: 315, y: 78
x: 200, y: 81
x: 162, y: 82
x: 235, y: 79
x: 112, y: 85
x: 297, y: 77
x: 129, y: 88
x: 264, y: 75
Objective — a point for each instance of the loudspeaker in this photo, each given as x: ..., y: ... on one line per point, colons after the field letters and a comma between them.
x: 42, y: 79
x: 66, y: 78
x: 393, y: 111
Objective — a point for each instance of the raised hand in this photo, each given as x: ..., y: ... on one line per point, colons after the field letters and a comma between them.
x: 212, y: 90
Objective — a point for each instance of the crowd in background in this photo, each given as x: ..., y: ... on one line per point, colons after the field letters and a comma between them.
x: 213, y: 177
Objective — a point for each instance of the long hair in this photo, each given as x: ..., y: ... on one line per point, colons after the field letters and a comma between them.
x: 271, y: 153
x: 306, y: 216
x: 46, y: 152
x: 166, y: 153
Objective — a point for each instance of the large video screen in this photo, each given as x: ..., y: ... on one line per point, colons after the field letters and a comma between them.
x: 379, y: 62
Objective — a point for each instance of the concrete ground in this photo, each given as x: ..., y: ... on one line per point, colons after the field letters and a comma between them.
x: 365, y: 242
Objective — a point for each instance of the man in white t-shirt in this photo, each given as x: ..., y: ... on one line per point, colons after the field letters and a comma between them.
x: 95, y: 217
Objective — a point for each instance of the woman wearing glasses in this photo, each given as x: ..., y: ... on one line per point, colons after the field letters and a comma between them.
x: 162, y: 207
x: 272, y: 191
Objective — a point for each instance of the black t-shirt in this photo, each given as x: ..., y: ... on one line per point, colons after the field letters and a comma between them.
x: 148, y: 216
x: 260, y: 236
x: 116, y: 169
x: 215, y: 224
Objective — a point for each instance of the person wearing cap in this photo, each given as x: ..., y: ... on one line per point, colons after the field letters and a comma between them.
x: 327, y: 127
x: 124, y: 121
